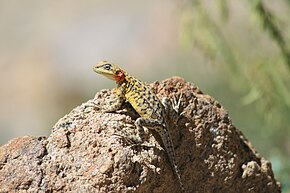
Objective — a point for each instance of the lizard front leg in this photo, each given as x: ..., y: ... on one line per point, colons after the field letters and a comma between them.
x: 116, y: 102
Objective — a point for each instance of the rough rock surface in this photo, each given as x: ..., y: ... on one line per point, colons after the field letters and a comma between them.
x: 87, y: 151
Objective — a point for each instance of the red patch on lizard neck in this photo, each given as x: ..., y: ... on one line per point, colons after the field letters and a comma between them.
x: 120, y: 76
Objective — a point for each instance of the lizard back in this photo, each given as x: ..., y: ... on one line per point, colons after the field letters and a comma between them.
x: 142, y: 98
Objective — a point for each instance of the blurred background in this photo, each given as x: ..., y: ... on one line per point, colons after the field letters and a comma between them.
x: 235, y: 51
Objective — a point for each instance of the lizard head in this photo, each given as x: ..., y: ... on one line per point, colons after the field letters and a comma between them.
x: 111, y: 71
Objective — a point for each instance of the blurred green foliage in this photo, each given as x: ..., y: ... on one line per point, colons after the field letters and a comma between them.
x: 258, y: 71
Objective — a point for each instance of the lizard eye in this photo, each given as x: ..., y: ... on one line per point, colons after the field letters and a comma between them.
x: 107, y: 66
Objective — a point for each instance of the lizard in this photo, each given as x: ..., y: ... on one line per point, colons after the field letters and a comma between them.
x: 152, y: 111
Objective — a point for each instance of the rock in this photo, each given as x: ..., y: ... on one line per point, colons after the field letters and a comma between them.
x: 88, y: 151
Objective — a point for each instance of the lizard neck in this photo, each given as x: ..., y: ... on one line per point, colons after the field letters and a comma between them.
x: 127, y: 83
x: 120, y: 77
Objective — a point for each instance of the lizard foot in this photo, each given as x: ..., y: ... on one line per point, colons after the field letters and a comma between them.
x: 176, y: 103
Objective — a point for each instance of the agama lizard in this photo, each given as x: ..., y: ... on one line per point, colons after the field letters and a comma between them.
x: 152, y: 111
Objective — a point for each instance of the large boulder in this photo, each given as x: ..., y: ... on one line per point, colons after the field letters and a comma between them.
x: 88, y: 151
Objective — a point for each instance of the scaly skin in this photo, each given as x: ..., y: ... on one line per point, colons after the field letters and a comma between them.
x: 151, y: 110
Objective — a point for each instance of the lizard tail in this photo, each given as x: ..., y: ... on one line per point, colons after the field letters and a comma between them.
x: 167, y: 142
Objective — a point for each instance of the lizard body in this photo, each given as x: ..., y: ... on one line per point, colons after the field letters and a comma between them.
x: 151, y: 110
